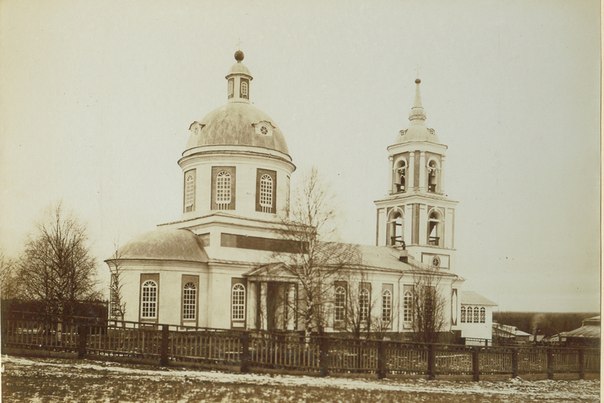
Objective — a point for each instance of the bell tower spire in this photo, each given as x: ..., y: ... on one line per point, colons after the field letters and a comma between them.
x: 238, y: 80
x: 417, y: 115
x: 416, y: 214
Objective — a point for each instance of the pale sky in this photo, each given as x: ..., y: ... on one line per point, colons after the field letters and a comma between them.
x: 96, y: 99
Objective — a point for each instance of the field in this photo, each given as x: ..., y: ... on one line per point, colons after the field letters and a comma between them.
x: 47, y: 380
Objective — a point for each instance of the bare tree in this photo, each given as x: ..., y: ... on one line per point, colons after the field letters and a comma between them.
x: 428, y: 306
x: 117, y: 304
x: 314, y: 263
x: 56, y: 267
x: 359, y: 306
x: 9, y: 284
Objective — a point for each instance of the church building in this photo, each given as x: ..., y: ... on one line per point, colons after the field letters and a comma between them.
x: 209, y: 268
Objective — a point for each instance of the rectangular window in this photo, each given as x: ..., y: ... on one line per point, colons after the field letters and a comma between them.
x: 266, y: 190
x: 223, y: 188
x: 189, y: 191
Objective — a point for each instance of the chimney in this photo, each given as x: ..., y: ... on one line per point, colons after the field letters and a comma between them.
x: 404, y: 257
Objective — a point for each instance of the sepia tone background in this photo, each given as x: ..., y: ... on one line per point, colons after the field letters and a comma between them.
x: 96, y: 99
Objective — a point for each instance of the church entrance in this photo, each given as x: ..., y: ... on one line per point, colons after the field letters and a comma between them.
x: 281, y: 305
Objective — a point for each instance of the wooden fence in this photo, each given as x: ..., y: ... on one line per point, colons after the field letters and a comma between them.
x: 291, y: 352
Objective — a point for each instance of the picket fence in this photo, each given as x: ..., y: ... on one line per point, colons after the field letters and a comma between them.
x: 287, y: 352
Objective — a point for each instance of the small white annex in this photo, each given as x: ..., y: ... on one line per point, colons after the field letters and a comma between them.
x: 215, y: 267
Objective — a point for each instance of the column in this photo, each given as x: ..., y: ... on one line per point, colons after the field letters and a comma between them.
x: 423, y: 224
x: 441, y: 184
x: 263, y: 306
x: 411, y: 169
x: 422, y: 171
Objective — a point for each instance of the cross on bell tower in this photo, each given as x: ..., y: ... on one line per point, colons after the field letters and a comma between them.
x: 416, y: 212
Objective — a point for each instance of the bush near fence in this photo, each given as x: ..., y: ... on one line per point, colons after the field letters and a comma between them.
x: 291, y: 352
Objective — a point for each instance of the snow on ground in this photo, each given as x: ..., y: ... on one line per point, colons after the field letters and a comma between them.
x: 198, y: 383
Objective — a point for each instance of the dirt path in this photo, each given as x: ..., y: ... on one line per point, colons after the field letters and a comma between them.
x: 46, y: 380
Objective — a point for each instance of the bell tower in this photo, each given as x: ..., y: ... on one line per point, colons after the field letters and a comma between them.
x: 416, y: 214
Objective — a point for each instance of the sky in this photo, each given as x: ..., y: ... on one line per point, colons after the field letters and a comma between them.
x: 96, y: 99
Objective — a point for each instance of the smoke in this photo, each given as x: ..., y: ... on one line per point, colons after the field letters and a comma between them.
x: 537, y: 320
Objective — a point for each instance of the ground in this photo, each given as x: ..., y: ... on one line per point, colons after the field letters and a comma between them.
x: 48, y: 380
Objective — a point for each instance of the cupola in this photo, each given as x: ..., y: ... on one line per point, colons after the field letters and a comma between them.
x: 417, y: 130
x: 238, y: 80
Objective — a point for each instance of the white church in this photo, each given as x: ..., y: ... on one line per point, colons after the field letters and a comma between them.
x: 206, y: 269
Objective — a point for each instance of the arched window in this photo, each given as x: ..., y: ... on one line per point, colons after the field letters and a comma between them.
x: 432, y: 176
x: 223, y: 190
x: 483, y: 315
x: 189, y: 191
x: 400, y: 176
x: 407, y: 306
x: 266, y: 193
x: 244, y: 89
x: 340, y: 304
x: 469, y: 317
x: 386, y: 306
x: 463, y: 314
x: 149, y: 300
x: 434, y: 228
x: 189, y: 299
x: 238, y: 302
x: 476, y: 315
x: 395, y: 228
x: 364, y: 305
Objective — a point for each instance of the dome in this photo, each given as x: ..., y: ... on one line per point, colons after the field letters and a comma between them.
x: 239, y: 68
x: 237, y: 123
x: 165, y: 244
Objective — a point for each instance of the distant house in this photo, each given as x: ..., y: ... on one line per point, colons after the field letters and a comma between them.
x: 586, y: 335
x: 476, y: 318
x: 508, y: 334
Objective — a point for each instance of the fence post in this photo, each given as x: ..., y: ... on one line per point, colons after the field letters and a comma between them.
x: 550, y: 363
x: 381, y: 359
x: 514, y: 363
x: 475, y: 364
x: 245, y: 352
x: 581, y: 363
x: 82, y: 340
x: 323, y: 355
x: 431, y: 361
x: 163, y: 353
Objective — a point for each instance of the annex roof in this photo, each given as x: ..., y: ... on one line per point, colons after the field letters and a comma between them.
x: 473, y: 298
x: 164, y: 244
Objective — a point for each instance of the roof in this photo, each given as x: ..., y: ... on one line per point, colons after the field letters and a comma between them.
x: 164, y: 244
x: 235, y: 124
x: 589, y: 329
x: 473, y: 298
